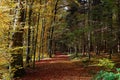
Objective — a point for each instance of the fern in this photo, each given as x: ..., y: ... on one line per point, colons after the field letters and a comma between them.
x: 105, y: 75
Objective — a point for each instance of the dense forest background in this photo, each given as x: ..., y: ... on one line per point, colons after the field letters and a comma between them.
x: 31, y: 30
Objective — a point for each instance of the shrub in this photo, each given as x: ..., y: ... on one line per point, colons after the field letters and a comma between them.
x: 108, y: 64
x: 105, y: 75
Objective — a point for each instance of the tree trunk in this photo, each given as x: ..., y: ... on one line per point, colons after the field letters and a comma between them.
x: 76, y: 53
x: 28, y: 56
x: 89, y: 32
x: 50, y: 40
x: 34, y: 53
x: 118, y: 25
x: 17, y: 41
x: 118, y: 47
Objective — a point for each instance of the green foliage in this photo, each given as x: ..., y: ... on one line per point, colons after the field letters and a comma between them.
x: 108, y: 64
x: 118, y: 70
x: 118, y: 73
x: 105, y: 75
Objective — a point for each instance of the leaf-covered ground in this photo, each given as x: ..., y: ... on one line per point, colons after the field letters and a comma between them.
x: 60, y: 68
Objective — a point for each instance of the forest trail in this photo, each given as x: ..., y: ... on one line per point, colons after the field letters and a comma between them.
x: 58, y: 68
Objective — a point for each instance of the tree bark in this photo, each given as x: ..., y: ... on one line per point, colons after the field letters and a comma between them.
x: 50, y: 40
x: 35, y: 46
x: 17, y: 41
x: 28, y: 57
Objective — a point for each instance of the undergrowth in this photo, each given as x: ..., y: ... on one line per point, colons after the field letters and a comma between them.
x: 108, y: 73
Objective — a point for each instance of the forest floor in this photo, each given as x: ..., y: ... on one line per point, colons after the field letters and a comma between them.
x: 60, y: 67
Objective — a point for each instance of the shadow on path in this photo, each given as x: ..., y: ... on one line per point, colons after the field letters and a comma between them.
x: 57, y: 68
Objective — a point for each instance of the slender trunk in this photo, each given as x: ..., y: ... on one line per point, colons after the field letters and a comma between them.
x: 111, y: 35
x: 118, y: 47
x: 70, y: 50
x: 89, y: 32
x: 76, y: 53
x: 39, y: 47
x: 50, y: 40
x: 105, y: 46
x: 118, y: 25
x: 32, y: 41
x: 39, y: 54
x: 89, y: 45
x: 96, y: 50
x: 38, y: 15
x: 42, y: 37
x: 28, y: 57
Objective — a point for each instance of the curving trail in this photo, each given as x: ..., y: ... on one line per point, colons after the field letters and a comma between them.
x: 58, y: 68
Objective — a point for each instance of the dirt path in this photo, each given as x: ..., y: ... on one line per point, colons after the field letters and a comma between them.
x: 58, y: 68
